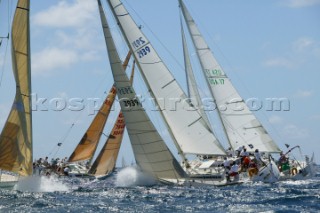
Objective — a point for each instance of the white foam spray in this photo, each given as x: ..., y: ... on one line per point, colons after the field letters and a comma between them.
x: 40, y: 184
x: 132, y: 176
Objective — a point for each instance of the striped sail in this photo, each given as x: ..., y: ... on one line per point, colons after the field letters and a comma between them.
x: 89, y: 142
x: 151, y: 152
x: 185, y: 124
x: 240, y: 124
x: 16, y: 136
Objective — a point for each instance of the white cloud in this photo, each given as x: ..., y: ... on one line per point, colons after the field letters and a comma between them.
x: 66, y: 14
x: 300, y: 3
x: 301, y: 51
x: 53, y: 58
x: 303, y: 94
x: 279, y: 62
x: 293, y: 132
x: 90, y: 56
x: 315, y: 117
x: 74, y: 37
x: 275, y: 119
x: 303, y: 44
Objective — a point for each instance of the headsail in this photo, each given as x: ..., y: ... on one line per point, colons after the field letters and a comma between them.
x: 89, y: 142
x: 185, y: 124
x: 241, y: 125
x: 16, y: 136
x: 151, y: 152
x: 106, y: 160
x: 193, y: 92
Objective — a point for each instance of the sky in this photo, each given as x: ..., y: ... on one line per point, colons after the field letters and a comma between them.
x: 269, y: 49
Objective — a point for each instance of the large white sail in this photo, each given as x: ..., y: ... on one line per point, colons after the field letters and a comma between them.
x: 241, y: 125
x: 151, y: 152
x: 185, y: 124
x: 193, y: 92
x: 16, y: 136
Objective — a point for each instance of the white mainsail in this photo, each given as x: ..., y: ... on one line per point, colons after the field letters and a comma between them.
x: 151, y: 152
x: 240, y: 124
x: 16, y: 136
x: 187, y: 127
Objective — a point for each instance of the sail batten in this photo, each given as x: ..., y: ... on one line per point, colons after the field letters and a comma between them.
x: 194, y: 139
x: 241, y: 126
x: 162, y: 164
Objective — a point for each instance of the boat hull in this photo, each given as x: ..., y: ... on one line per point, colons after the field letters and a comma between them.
x: 8, y: 181
x: 268, y: 174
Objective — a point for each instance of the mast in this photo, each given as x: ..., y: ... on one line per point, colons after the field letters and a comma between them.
x: 240, y: 124
x: 187, y: 128
x: 151, y: 152
x: 88, y: 144
x: 16, y: 136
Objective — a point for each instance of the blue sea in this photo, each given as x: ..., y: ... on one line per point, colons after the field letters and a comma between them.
x: 129, y: 191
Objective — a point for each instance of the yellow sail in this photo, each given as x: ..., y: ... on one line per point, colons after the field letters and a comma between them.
x: 16, y: 136
x: 89, y: 142
x: 106, y: 160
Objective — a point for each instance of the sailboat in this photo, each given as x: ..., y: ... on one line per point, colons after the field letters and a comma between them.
x: 242, y: 128
x: 188, y: 130
x: 151, y: 153
x: 85, y: 150
x: 16, y: 136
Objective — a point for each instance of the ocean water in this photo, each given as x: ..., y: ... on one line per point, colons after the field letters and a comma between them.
x: 131, y: 191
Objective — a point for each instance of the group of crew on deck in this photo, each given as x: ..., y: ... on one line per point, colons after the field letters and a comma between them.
x: 242, y: 162
x: 57, y: 166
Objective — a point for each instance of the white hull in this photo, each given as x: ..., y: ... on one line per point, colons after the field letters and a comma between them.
x: 306, y: 172
x: 8, y: 181
x: 268, y: 174
x: 197, y: 182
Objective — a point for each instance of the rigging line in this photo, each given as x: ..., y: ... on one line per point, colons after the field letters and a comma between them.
x: 62, y: 140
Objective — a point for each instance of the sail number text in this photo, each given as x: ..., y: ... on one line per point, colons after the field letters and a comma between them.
x: 125, y: 90
x: 143, y: 51
x: 138, y: 43
x: 131, y: 103
x: 213, y: 76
